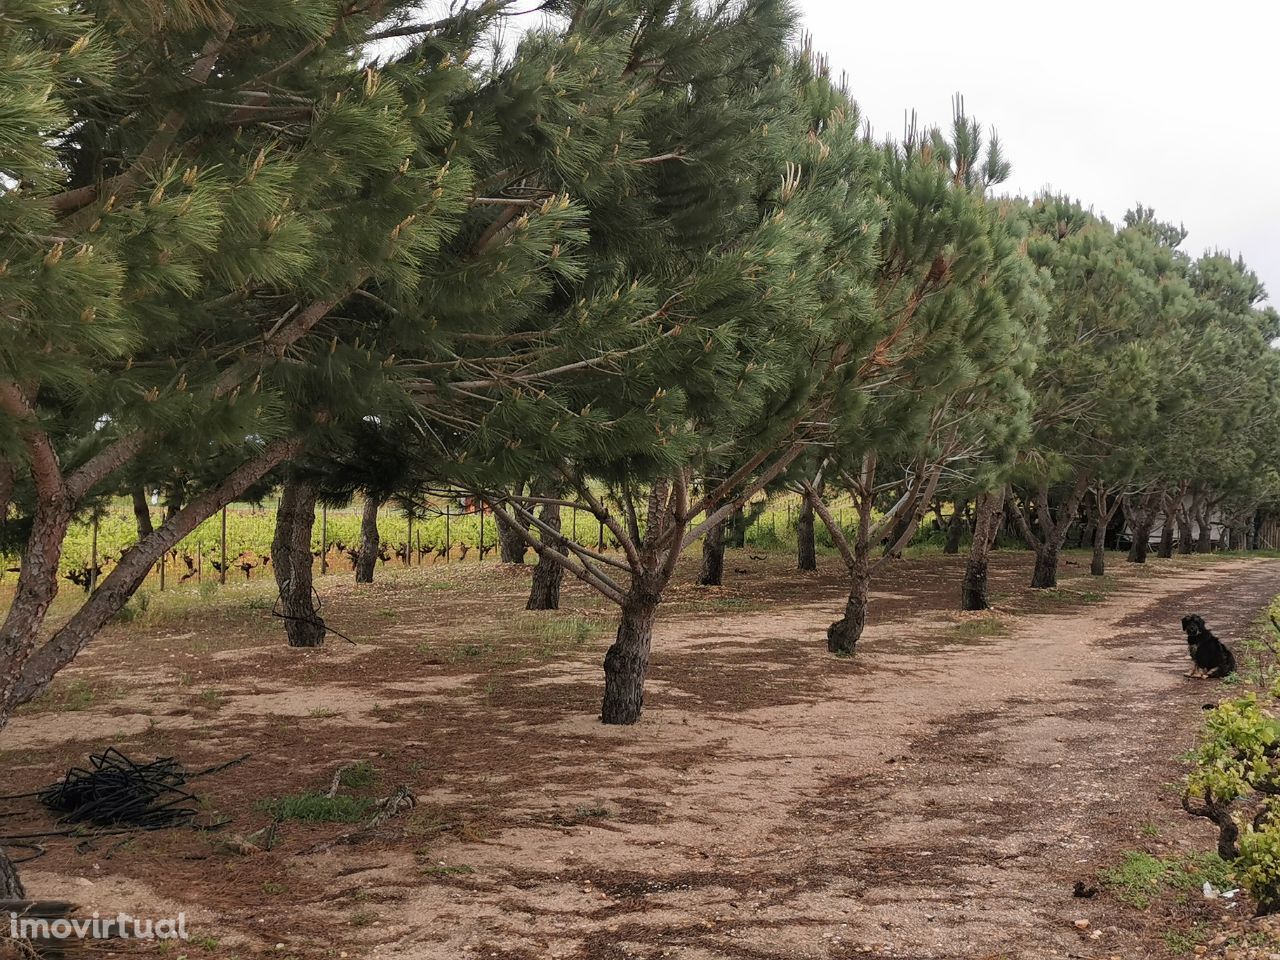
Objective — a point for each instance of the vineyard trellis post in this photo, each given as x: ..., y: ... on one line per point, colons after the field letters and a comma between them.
x: 480, y: 552
x: 448, y: 536
x: 222, y: 571
x: 408, y: 544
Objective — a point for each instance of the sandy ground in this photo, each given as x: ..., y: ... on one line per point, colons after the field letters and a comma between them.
x: 935, y: 797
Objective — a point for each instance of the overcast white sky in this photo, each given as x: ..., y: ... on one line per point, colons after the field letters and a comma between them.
x: 1169, y: 103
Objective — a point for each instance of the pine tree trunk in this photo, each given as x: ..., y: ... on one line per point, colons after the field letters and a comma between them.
x: 544, y: 591
x: 1166, y: 537
x: 1186, y: 542
x: 844, y: 634
x: 1205, y: 542
x: 36, y: 588
x: 1045, y: 574
x: 1098, y: 563
x: 955, y: 531
x: 10, y: 884
x: 1141, y: 544
x: 736, y: 532
x: 627, y: 660
x: 511, y: 546
x: 987, y: 513
x: 369, y: 543
x: 806, y: 544
x: 712, y: 574
x: 291, y: 561
x: 141, y: 513
x: 896, y: 530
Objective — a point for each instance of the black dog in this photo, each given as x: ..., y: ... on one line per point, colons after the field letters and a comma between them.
x: 1210, y: 655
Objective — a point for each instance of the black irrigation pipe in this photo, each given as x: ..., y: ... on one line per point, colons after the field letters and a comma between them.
x: 120, y: 796
x: 39, y: 851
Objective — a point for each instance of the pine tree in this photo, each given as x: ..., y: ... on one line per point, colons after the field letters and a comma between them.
x: 237, y: 228
x: 954, y: 331
x: 1096, y: 386
x: 760, y: 215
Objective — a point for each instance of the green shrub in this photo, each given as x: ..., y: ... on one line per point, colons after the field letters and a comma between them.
x: 1234, y: 770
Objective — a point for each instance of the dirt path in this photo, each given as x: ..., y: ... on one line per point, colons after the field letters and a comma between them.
x: 921, y: 809
x: 936, y: 796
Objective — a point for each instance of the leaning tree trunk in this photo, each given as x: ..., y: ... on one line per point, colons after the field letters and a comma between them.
x: 369, y: 543
x: 627, y: 660
x: 712, y: 574
x: 21, y: 681
x: 141, y: 513
x: 987, y: 514
x: 10, y: 885
x: 806, y: 544
x: 544, y: 592
x: 844, y: 634
x: 291, y: 560
x: 955, y: 530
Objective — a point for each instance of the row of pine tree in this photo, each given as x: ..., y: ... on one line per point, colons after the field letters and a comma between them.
x: 645, y: 260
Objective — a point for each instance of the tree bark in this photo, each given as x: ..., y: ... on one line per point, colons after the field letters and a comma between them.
x: 806, y: 544
x: 544, y: 591
x: 10, y: 885
x: 291, y: 561
x: 955, y: 530
x: 1140, y: 518
x: 1098, y: 562
x: 141, y: 513
x: 987, y: 514
x: 369, y: 543
x: 1140, y: 545
x: 1204, y: 543
x: 627, y: 660
x: 736, y: 531
x: 712, y: 574
x: 1186, y: 543
x: 1166, y: 535
x: 844, y: 634
x: 511, y: 546
x: 1045, y: 573
x: 36, y: 588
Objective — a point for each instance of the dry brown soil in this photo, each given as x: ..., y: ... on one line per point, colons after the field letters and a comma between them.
x: 936, y: 796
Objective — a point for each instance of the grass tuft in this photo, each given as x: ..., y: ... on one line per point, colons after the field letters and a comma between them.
x: 318, y: 808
